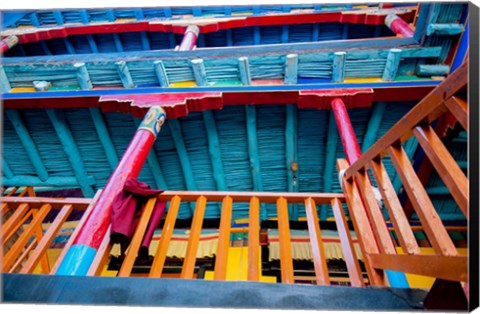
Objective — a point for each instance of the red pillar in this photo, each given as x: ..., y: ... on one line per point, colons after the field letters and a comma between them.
x: 190, y: 38
x: 8, y: 43
x: 78, y: 259
x: 398, y: 25
x: 345, y: 130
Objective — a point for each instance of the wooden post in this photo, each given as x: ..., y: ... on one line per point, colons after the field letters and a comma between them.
x: 244, y: 71
x: 338, y: 68
x: 391, y: 67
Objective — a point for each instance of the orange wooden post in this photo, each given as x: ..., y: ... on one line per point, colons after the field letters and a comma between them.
x: 188, y: 267
x: 9, y: 225
x: 459, y: 108
x: 254, y: 240
x: 437, y: 235
x: 360, y: 220
x: 5, y: 209
x: 39, y: 236
x: 223, y: 240
x: 446, y: 166
x: 18, y: 225
x: 131, y: 256
x: 162, y: 248
x: 102, y: 256
x: 88, y: 210
x: 46, y: 240
x: 375, y: 213
x: 16, y: 249
x: 286, y: 261
x: 353, y: 267
x: 22, y: 257
x: 399, y: 220
x: 318, y: 251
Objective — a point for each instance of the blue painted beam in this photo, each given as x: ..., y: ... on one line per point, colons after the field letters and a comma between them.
x: 444, y: 29
x: 462, y: 49
x: 199, y: 72
x: 285, y: 31
x: 251, y: 121
x: 124, y: 73
x: 6, y: 171
x: 92, y: 43
x: 5, y: 86
x: 432, y: 69
x: 291, y: 69
x: 244, y: 71
x: 177, y: 136
x: 167, y: 11
x: 392, y: 64
x: 345, y: 30
x: 338, y: 69
x: 214, y: 151
x: 330, y: 153
x: 60, y: 182
x: 315, y: 32
x: 256, y: 88
x: 71, y: 150
x: 291, y: 146
x: 58, y: 17
x: 28, y: 143
x: 161, y: 73
x: 257, y: 39
x: 82, y: 76
x: 104, y: 137
x: 154, y: 164
x: 229, y: 37
x: 373, y: 125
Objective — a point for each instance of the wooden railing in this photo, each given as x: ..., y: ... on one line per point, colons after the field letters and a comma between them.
x: 24, y: 244
x: 374, y: 237
x: 255, y: 199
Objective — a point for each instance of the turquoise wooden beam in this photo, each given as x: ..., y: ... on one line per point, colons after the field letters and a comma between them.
x: 244, y: 70
x: 373, y: 126
x: 251, y: 121
x: 161, y: 73
x: 432, y: 69
x: 82, y: 76
x: 463, y: 164
x: 338, y: 69
x: 124, y: 74
x: 71, y: 150
x: 104, y: 136
x: 7, y: 172
x: 291, y: 69
x: 392, y: 64
x: 199, y: 72
x: 154, y: 164
x: 28, y: 143
x: 285, y: 31
x: 315, y: 32
x: 438, y: 190
x: 214, y: 151
x: 330, y: 151
x: 5, y: 86
x: 61, y: 182
x: 177, y: 136
x: 291, y: 147
x: 444, y: 29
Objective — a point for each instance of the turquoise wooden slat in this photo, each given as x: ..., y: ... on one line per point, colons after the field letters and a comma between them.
x: 330, y: 149
x: 214, y: 151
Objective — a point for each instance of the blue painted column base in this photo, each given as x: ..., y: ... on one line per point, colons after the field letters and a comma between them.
x: 77, y: 261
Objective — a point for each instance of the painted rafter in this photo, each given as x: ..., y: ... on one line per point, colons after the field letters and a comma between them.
x: 28, y: 143
x: 214, y: 151
x: 6, y: 171
x: 104, y: 137
x: 291, y: 145
x: 71, y: 150
x: 373, y: 125
x: 251, y: 123
x: 330, y: 150
x: 154, y: 164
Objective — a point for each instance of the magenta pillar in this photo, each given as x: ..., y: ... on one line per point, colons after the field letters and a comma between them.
x: 345, y: 130
x: 398, y: 25
x: 189, y: 38
x: 80, y: 256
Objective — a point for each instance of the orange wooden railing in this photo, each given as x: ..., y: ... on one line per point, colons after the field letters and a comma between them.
x: 374, y: 237
x: 24, y: 244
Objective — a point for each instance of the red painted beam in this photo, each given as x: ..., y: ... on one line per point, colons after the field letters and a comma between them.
x: 8, y: 43
x: 398, y: 26
x: 346, y: 132
x: 189, y: 38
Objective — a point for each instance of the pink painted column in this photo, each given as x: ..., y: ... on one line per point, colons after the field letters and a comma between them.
x: 398, y: 25
x: 345, y: 130
x: 80, y: 256
x: 189, y: 38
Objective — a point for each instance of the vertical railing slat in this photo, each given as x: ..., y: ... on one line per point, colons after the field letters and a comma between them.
x: 46, y: 240
x: 392, y: 203
x: 163, y: 243
x: 353, y: 267
x: 17, y: 215
x: 286, y: 261
x: 223, y: 240
x: 16, y: 249
x: 254, y: 240
x: 446, y: 166
x: 188, y: 267
x: 318, y: 251
x: 137, y: 238
x: 433, y: 226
